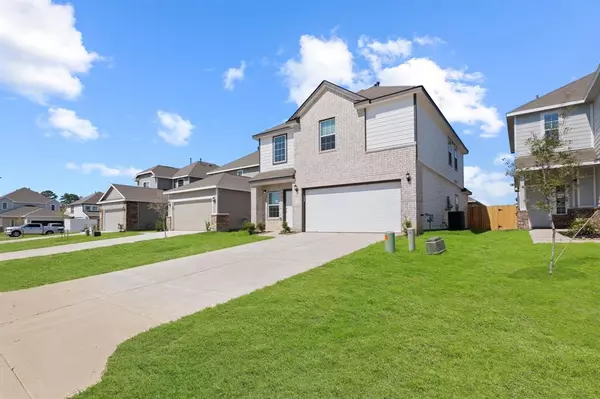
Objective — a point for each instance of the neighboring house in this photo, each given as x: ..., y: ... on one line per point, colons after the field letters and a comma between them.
x: 47, y: 210
x: 247, y: 165
x: 167, y: 177
x: 575, y: 107
x: 221, y: 199
x: 85, y: 208
x: 360, y: 162
x: 128, y: 207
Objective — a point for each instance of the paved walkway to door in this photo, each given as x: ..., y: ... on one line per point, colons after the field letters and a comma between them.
x: 55, y: 339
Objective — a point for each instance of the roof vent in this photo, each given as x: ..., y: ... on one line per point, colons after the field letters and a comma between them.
x: 377, y: 84
x: 537, y: 96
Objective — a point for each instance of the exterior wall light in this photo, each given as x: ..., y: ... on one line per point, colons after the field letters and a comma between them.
x: 408, y: 178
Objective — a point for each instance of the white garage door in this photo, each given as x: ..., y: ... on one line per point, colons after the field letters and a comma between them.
x: 112, y: 218
x: 361, y: 208
x: 191, y: 215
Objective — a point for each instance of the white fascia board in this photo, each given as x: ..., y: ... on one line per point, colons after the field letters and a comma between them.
x: 206, y: 198
x: 548, y: 107
x: 110, y: 201
x: 189, y: 190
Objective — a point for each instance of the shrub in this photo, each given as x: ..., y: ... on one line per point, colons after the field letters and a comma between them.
x: 406, y: 224
x: 207, y: 225
x: 249, y: 227
x: 588, y: 230
x: 260, y: 227
x: 285, y: 228
x: 159, y: 225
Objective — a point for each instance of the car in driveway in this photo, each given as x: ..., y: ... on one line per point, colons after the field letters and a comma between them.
x: 33, y: 229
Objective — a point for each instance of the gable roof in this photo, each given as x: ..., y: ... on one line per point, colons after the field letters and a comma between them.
x: 246, y: 161
x: 197, y: 169
x: 221, y: 180
x: 382, y: 91
x: 322, y: 86
x: 574, y: 91
x: 274, y: 174
x: 160, y: 171
x: 90, y: 199
x: 26, y: 195
x: 136, y: 194
x: 31, y: 211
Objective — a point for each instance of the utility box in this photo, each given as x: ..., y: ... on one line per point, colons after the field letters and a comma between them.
x: 390, y: 241
x: 435, y: 246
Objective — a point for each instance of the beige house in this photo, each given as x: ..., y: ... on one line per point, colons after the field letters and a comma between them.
x: 125, y: 207
x: 574, y: 111
x: 25, y: 205
x: 360, y: 162
x: 222, y: 200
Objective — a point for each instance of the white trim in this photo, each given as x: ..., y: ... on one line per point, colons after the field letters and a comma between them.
x: 595, y: 192
x: 114, y: 188
x: 111, y: 201
x: 144, y: 173
x: 209, y: 197
x: 548, y: 107
x: 585, y: 163
x: 171, y: 192
x: 232, y: 169
x: 589, y: 90
x: 216, y: 204
x: 592, y: 123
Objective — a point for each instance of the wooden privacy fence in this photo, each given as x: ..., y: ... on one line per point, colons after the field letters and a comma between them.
x: 498, y: 217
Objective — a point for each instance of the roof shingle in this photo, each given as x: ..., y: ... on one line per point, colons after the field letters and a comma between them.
x: 90, y: 199
x: 240, y: 163
x: 26, y: 195
x: 221, y: 180
x: 197, y: 169
x: 140, y: 194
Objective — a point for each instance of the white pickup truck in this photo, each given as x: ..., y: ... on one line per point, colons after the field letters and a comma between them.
x: 33, y: 229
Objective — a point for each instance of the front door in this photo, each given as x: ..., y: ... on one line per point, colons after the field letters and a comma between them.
x: 289, y: 209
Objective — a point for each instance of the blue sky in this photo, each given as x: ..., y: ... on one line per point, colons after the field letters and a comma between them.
x: 87, y: 87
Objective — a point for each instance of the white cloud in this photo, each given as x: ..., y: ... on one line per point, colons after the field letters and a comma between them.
x: 489, y: 187
x: 379, y: 53
x: 319, y: 59
x: 502, y: 157
x: 459, y: 94
x: 454, y: 91
x: 71, y: 126
x: 467, y: 132
x: 428, y: 40
x: 41, y: 51
x: 232, y: 75
x: 174, y: 129
x: 117, y: 171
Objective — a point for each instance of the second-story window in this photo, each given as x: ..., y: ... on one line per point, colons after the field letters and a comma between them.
x: 4, y: 205
x: 455, y: 158
x: 551, y: 125
x: 327, y: 134
x: 179, y: 182
x: 450, y: 152
x: 240, y: 172
x: 280, y: 149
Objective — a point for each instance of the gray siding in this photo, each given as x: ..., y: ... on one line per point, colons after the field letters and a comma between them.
x: 192, y: 194
x: 576, y: 127
x: 248, y: 172
x: 113, y: 195
x: 596, y: 120
x: 432, y: 142
x: 390, y: 124
x: 164, y: 184
x: 236, y: 204
x: 436, y: 190
x: 146, y: 178
x: 350, y: 162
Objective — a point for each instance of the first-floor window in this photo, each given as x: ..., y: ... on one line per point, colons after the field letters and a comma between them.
x: 273, y: 201
x: 561, y: 201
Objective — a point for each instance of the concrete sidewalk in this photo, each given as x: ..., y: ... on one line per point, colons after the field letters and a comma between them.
x: 12, y: 240
x: 30, y: 253
x: 544, y: 236
x: 55, y: 339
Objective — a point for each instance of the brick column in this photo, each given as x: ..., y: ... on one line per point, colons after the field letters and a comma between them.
x: 219, y: 222
x: 523, y: 220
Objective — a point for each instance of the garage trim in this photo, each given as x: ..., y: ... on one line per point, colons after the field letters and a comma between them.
x: 364, y: 183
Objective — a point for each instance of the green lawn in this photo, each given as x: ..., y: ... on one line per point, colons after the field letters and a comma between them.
x: 32, y: 272
x: 483, y: 320
x: 22, y: 244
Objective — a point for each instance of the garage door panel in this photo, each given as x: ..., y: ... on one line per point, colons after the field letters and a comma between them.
x: 361, y: 208
x: 112, y: 219
x: 191, y: 215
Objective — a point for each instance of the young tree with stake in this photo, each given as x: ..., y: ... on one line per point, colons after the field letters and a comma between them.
x: 162, y: 210
x: 552, y: 165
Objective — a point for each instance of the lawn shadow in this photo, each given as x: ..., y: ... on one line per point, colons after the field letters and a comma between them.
x: 541, y: 272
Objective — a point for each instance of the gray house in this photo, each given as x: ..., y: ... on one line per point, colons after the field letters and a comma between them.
x: 360, y: 162
x: 128, y: 207
x: 25, y: 205
x: 576, y: 108
x: 167, y: 177
x: 85, y: 208
x: 247, y: 165
x: 222, y: 200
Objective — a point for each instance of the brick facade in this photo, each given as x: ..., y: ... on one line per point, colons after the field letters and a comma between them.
x: 219, y: 222
x: 523, y: 220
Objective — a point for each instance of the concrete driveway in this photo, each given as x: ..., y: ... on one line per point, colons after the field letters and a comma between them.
x: 55, y: 339
x: 30, y: 253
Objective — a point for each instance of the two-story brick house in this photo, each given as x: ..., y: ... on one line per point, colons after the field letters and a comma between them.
x: 574, y: 109
x: 360, y: 162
